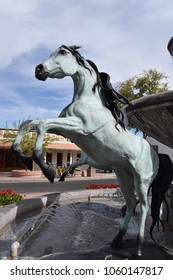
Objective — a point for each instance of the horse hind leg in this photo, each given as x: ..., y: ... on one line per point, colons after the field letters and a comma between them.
x: 127, y: 187
x: 118, y: 240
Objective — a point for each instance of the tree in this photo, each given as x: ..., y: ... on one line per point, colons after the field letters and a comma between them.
x: 147, y: 83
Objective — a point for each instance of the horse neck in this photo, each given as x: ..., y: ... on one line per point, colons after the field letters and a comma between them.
x: 83, y: 84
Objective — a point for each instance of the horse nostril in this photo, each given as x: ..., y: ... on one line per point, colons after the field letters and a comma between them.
x: 39, y: 68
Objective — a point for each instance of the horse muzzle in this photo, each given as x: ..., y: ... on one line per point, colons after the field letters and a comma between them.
x: 40, y: 72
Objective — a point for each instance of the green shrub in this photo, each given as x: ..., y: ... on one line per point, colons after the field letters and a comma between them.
x: 8, y: 197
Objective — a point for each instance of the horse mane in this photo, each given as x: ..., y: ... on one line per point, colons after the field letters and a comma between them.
x: 79, y: 58
x: 111, y: 96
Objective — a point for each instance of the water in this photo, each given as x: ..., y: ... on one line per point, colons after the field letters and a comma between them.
x: 15, y: 230
x: 69, y: 227
x: 72, y: 230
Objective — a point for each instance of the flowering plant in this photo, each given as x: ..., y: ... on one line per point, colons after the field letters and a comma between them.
x: 8, y: 197
x: 104, y: 186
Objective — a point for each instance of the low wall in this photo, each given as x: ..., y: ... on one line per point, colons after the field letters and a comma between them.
x: 23, y: 172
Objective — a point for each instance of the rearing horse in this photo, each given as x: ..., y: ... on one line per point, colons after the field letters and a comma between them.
x: 93, y: 122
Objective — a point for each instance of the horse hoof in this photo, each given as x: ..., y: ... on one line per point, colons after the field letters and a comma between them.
x: 50, y: 173
x: 61, y: 179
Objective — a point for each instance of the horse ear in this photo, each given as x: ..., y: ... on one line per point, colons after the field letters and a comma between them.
x: 75, y: 47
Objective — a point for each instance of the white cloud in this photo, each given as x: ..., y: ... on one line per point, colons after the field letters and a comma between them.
x: 20, y: 113
x: 122, y: 38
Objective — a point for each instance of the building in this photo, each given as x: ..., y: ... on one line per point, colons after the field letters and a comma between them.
x: 59, y: 152
x: 160, y: 148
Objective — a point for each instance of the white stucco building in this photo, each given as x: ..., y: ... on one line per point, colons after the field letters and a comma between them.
x: 161, y: 148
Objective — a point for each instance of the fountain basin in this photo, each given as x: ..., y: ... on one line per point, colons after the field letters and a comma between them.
x: 81, y: 225
x: 13, y: 211
x: 153, y: 114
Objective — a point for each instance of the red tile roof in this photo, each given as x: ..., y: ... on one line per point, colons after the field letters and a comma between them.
x: 5, y: 145
x: 63, y: 146
x: 52, y: 146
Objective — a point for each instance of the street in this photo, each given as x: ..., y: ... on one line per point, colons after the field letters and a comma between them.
x: 41, y: 187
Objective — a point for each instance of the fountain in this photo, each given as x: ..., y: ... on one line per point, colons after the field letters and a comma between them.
x: 83, y: 226
x: 76, y: 225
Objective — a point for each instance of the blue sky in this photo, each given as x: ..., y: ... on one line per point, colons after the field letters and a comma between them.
x: 123, y: 38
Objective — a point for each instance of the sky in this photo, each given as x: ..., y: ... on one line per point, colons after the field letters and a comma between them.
x: 122, y: 38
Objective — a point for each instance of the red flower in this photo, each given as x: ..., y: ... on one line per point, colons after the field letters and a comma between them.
x: 9, y: 191
x: 104, y: 186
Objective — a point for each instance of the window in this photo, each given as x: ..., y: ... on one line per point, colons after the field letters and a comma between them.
x: 68, y: 159
x: 8, y: 161
x: 18, y: 162
x: 59, y: 159
x: 48, y: 158
x: 2, y: 158
x: 78, y: 156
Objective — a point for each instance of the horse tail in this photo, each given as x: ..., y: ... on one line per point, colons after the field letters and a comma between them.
x: 159, y: 187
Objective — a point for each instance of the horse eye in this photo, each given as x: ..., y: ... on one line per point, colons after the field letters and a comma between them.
x: 63, y: 52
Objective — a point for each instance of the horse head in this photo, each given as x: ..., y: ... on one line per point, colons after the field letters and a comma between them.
x: 60, y: 64
x: 67, y: 61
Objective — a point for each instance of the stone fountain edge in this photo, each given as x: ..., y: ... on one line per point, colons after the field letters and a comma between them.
x: 10, y: 212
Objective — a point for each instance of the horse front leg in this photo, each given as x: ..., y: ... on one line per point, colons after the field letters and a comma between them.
x: 48, y: 170
x: 59, y: 126
x: 25, y: 127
